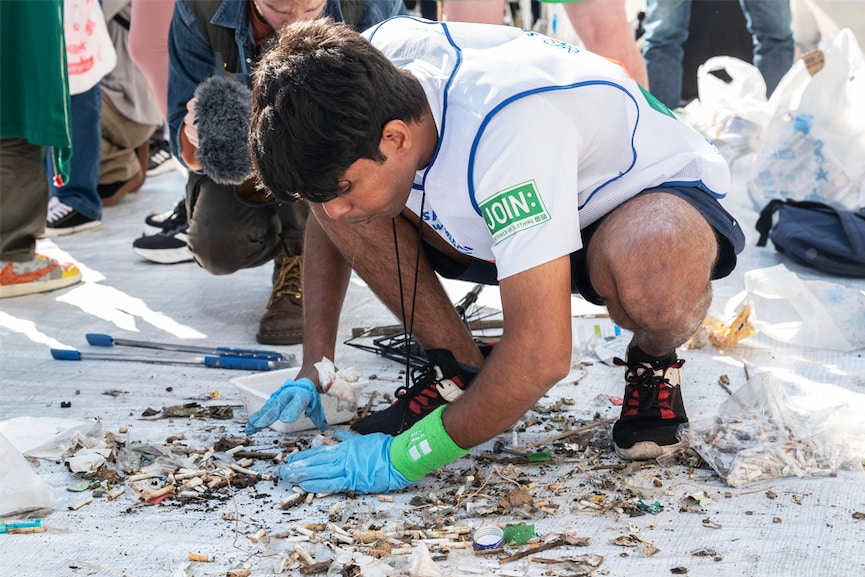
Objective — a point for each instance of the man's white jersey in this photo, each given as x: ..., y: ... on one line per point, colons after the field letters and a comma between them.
x: 537, y: 139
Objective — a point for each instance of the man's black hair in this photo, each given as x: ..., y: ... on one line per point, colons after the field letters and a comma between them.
x: 321, y: 97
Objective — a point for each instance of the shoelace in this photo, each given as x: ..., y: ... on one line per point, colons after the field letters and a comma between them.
x: 57, y: 210
x: 653, y: 377
x: 653, y: 374
x: 423, y: 378
x: 288, y: 282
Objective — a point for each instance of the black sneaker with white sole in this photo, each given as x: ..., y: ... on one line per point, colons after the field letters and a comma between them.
x: 652, y: 410
x: 63, y: 219
x: 442, y: 381
x: 160, y: 161
x: 167, y: 247
x: 171, y: 219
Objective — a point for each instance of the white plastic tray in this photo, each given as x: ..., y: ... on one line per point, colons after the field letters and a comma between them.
x: 256, y: 389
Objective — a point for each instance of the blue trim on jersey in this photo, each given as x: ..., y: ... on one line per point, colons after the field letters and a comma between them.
x: 694, y: 184
x: 459, y: 60
x: 511, y: 99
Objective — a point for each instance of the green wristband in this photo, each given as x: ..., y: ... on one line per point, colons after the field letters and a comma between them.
x: 424, y: 448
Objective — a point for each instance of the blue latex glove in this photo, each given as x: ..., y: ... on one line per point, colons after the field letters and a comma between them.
x: 291, y: 400
x: 359, y: 463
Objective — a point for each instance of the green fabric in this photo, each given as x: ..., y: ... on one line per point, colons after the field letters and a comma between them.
x: 424, y: 448
x: 34, y: 85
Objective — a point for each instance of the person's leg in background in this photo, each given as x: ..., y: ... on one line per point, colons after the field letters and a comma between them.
x: 603, y: 27
x: 76, y: 206
x: 282, y: 323
x: 666, y: 26
x: 121, y: 170
x: 770, y: 23
x: 23, y: 205
x: 148, y: 46
x: 481, y: 11
x: 226, y: 234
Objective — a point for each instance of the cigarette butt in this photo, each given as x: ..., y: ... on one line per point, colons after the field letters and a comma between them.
x: 141, y: 477
x: 371, y: 536
x: 148, y: 495
x: 189, y: 475
x: 338, y: 530
x: 314, y: 526
x: 234, y: 450
x: 80, y: 504
x: 309, y: 498
x: 239, y: 469
x: 116, y: 493
x: 245, y: 462
x: 193, y: 482
x: 307, y: 558
x: 22, y: 530
x: 255, y: 537
x: 292, y: 500
x: 198, y: 557
x: 386, y: 498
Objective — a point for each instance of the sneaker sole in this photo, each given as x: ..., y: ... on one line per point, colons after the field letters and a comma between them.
x: 55, y: 232
x: 646, y: 450
x: 164, y: 168
x: 34, y: 287
x: 165, y: 256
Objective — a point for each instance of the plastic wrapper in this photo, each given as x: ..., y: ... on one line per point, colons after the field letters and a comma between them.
x: 22, y: 491
x: 813, y: 148
x: 761, y: 433
x: 815, y: 313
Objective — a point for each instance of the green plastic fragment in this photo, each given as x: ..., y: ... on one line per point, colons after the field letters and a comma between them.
x: 518, y: 534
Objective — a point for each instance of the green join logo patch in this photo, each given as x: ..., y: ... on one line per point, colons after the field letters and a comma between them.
x: 513, y: 210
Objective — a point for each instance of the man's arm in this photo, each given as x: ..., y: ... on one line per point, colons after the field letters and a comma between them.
x: 191, y: 61
x: 533, y: 355
x: 324, y: 288
x: 603, y: 27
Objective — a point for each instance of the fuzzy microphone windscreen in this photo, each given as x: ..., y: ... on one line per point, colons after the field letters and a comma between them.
x: 223, y: 109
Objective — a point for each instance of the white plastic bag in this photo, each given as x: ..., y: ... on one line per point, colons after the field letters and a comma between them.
x: 814, y: 146
x: 816, y: 314
x: 731, y: 114
x: 89, y: 51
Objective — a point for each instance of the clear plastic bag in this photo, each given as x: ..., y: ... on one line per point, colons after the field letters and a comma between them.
x: 816, y: 314
x: 761, y: 433
x: 22, y: 491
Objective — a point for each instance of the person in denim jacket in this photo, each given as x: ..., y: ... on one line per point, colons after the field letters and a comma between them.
x: 224, y: 233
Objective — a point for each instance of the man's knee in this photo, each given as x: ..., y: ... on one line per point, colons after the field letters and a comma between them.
x: 226, y: 235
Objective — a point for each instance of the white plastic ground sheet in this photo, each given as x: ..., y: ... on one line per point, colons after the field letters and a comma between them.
x: 589, y: 512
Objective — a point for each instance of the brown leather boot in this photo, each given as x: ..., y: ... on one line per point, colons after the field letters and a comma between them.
x: 282, y: 324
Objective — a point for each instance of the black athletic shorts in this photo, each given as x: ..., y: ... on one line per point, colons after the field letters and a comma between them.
x: 731, y: 241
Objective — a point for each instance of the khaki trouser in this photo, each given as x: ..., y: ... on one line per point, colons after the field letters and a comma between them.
x: 120, y: 138
x: 23, y: 198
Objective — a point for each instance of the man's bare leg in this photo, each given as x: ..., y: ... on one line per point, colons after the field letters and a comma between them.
x: 651, y: 260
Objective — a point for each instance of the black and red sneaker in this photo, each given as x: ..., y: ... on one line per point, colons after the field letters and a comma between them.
x: 652, y: 409
x: 443, y: 380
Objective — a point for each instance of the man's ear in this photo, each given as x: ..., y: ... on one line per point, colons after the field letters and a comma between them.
x: 395, y: 136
